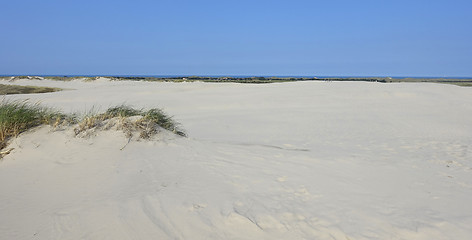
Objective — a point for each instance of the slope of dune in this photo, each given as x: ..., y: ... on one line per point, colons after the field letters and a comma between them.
x: 303, y: 160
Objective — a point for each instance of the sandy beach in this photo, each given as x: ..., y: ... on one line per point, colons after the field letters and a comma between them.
x: 299, y: 160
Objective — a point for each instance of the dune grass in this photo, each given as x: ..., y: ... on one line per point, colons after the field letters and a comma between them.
x: 147, y: 122
x: 154, y: 115
x: 19, y: 116
x: 16, y: 89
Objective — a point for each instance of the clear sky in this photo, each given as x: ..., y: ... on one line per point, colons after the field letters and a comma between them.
x: 237, y: 37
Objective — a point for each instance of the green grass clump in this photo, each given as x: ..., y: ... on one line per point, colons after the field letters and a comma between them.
x: 158, y: 117
x: 15, y: 89
x: 122, y: 111
x: 19, y: 116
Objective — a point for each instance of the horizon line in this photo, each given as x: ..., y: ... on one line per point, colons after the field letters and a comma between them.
x: 227, y: 75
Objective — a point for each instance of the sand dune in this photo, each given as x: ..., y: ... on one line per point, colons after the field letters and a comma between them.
x: 303, y: 160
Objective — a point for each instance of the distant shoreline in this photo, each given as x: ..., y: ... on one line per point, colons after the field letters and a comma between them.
x: 233, y: 76
x: 246, y: 79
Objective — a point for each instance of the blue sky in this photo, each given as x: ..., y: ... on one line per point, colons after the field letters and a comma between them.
x: 276, y: 38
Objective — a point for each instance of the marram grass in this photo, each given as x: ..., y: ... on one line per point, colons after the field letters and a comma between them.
x: 19, y: 116
x: 147, y: 124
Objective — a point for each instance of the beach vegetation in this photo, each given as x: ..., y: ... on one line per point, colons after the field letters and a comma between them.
x: 16, y: 89
x: 18, y: 116
x: 128, y: 119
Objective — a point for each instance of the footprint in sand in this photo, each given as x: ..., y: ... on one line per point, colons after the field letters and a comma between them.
x: 197, y: 207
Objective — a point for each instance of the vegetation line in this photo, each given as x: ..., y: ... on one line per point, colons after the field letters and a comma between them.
x: 15, y: 89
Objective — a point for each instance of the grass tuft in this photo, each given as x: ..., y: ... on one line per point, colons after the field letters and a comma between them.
x: 147, y: 124
x: 19, y: 116
x: 158, y: 117
x: 122, y: 111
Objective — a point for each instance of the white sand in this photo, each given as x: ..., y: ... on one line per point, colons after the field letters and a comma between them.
x: 306, y: 160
